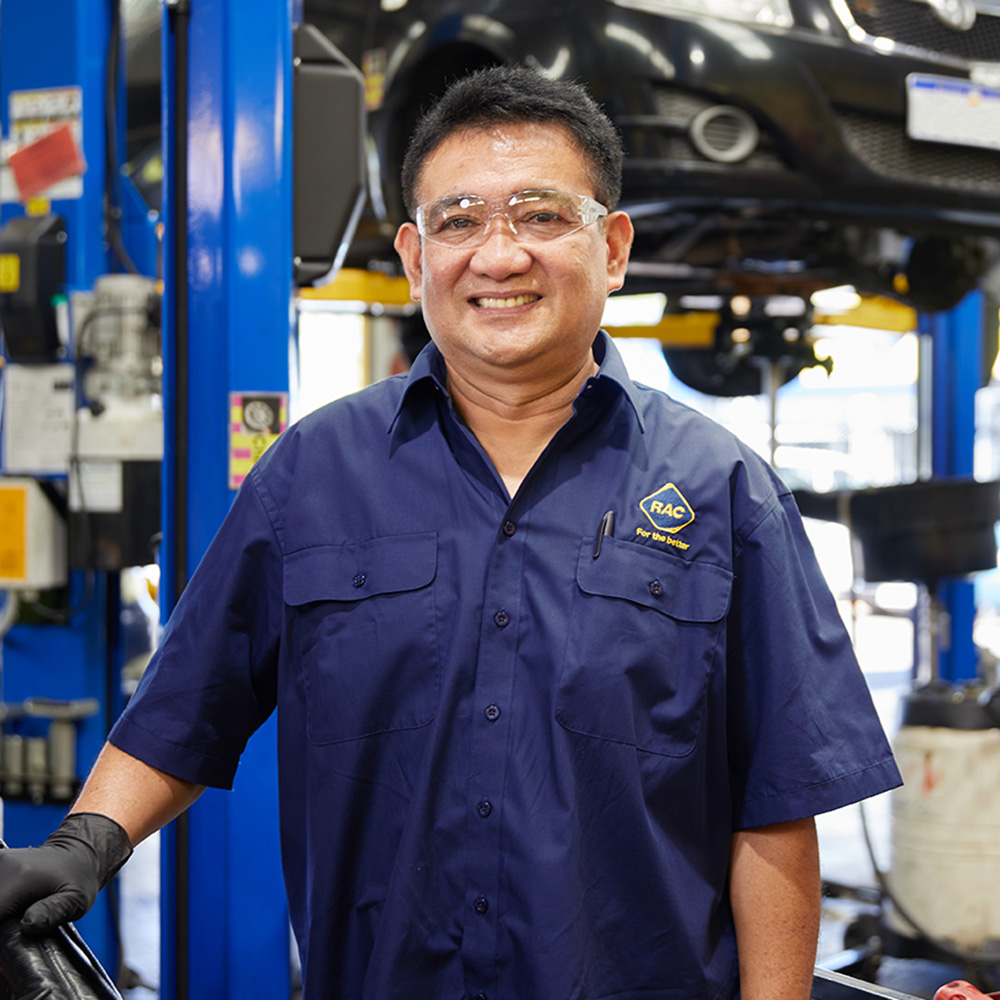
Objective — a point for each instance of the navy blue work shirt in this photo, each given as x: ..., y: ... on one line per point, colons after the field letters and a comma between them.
x: 512, y: 761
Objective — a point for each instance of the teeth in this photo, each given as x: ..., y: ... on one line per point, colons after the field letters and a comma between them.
x: 517, y: 300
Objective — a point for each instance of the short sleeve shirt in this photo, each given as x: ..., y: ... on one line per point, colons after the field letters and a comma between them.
x: 515, y: 738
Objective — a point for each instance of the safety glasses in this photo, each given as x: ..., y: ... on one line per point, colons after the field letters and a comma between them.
x: 532, y: 216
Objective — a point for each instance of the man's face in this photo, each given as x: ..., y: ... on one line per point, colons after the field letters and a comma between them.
x: 507, y: 309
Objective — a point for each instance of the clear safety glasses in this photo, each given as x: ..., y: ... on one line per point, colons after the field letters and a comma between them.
x: 464, y: 220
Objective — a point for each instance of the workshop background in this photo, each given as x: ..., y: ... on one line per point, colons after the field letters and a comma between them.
x: 197, y: 205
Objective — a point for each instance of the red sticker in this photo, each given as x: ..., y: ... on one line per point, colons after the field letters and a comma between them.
x: 46, y: 161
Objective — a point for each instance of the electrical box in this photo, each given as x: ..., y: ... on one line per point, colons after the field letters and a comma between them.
x: 38, y: 403
x: 32, y: 537
x: 32, y: 266
x: 114, y: 486
x: 114, y: 475
x: 329, y: 157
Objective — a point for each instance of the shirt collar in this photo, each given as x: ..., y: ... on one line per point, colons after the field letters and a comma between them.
x: 429, y: 369
x: 612, y: 370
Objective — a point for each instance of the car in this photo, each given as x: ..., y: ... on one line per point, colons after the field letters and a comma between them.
x: 773, y: 146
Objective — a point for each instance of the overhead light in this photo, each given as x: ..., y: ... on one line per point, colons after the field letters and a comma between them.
x: 785, y: 305
x: 840, y: 299
x: 634, y: 310
x: 740, y: 305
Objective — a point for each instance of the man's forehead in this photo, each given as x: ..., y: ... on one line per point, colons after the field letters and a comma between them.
x: 512, y: 156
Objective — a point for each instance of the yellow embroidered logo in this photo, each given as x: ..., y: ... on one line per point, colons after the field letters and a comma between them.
x: 667, y: 509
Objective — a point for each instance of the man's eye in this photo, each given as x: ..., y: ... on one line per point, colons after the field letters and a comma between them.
x: 547, y: 219
x: 543, y: 217
x: 456, y: 222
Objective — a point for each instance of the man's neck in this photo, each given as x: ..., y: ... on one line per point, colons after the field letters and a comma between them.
x: 514, y: 422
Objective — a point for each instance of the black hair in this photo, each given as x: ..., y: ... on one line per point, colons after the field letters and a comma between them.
x: 505, y: 95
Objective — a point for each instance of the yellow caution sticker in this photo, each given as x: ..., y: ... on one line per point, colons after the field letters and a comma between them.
x: 373, y: 66
x: 10, y: 272
x: 13, y: 532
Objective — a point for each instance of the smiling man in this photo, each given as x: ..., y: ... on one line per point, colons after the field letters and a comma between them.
x: 559, y: 684
x: 513, y: 313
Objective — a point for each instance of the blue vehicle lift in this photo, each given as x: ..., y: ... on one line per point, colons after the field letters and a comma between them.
x: 229, y: 255
x: 957, y: 371
x: 74, y: 660
x: 228, y: 328
x: 234, y: 103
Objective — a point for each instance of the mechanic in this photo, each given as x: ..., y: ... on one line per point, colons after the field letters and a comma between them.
x: 559, y: 684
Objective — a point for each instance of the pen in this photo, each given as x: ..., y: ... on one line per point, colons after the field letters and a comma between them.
x: 607, y: 527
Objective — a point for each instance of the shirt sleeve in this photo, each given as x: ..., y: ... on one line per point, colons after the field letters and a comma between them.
x: 804, y: 736
x: 212, y: 681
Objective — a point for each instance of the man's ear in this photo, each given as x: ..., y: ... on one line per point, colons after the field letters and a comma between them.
x: 618, y: 234
x: 407, y: 244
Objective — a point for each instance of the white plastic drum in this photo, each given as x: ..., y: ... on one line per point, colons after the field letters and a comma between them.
x: 946, y: 834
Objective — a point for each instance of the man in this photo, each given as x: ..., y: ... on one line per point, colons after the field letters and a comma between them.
x: 559, y: 684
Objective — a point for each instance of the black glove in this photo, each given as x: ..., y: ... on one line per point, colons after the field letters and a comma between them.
x: 59, y: 881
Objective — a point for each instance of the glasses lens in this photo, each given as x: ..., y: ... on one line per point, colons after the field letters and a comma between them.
x: 455, y: 221
x: 545, y: 215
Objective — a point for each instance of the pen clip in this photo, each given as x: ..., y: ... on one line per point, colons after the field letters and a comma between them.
x: 607, y: 527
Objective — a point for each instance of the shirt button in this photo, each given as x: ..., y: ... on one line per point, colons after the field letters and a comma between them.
x: 509, y: 527
x: 479, y: 996
x: 492, y: 713
x: 502, y: 619
x: 358, y: 580
x: 656, y: 588
x: 484, y: 808
x: 481, y: 905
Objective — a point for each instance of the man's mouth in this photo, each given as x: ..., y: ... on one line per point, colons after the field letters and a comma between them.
x: 485, y: 302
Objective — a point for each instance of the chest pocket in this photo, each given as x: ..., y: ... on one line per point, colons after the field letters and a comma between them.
x: 362, y: 621
x: 643, y: 635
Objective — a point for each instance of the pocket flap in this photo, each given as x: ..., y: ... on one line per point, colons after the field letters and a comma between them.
x: 352, y: 572
x: 686, y: 591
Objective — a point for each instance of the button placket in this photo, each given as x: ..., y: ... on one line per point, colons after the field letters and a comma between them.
x: 494, y: 694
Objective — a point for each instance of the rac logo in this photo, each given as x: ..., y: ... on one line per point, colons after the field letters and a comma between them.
x: 667, y: 509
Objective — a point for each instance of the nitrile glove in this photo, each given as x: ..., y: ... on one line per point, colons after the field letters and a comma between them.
x: 59, y: 881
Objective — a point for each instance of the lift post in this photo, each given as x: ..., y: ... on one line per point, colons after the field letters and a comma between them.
x: 957, y: 338
x: 225, y: 928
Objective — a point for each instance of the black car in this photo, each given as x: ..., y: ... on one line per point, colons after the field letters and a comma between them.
x: 774, y: 146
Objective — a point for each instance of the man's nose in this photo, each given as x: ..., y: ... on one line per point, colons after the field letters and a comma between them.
x: 501, y: 250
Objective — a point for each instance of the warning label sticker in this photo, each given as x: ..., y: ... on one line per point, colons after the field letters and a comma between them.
x: 255, y: 421
x: 34, y: 115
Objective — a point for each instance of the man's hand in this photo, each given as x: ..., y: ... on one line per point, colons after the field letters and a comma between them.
x: 59, y: 881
